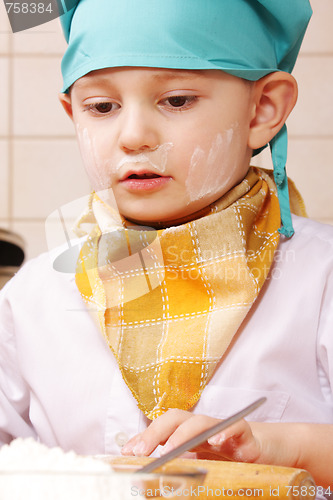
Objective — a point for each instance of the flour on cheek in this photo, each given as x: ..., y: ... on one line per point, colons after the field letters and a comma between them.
x: 91, y: 160
x: 212, y: 171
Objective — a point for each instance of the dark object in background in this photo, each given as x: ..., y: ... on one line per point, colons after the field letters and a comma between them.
x: 11, y: 255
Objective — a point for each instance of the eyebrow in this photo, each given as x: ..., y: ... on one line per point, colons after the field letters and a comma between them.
x: 178, y: 74
x: 163, y: 76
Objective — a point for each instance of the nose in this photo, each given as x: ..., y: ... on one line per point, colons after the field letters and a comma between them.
x: 138, y: 131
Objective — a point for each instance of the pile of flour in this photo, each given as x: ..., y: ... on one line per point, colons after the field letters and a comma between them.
x: 31, y: 471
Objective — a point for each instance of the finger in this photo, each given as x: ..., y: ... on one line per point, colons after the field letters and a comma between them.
x: 157, y: 433
x: 236, y: 443
x: 128, y: 447
x: 239, y: 430
x: 187, y: 430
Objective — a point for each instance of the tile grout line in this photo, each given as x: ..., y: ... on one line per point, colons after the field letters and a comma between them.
x: 10, y: 165
x: 36, y: 55
x: 316, y: 137
x: 38, y: 137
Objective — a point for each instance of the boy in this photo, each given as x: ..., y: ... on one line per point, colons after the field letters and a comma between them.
x: 169, y: 101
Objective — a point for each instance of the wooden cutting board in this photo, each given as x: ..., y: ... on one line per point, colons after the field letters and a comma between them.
x: 237, y: 480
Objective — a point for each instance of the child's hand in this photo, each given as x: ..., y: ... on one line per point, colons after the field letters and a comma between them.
x: 176, y: 426
x: 301, y: 445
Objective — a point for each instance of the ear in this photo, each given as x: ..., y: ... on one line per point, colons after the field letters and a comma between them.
x: 274, y: 97
x: 66, y: 104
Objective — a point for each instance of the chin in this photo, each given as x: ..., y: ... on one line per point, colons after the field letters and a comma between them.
x: 144, y: 220
x: 157, y: 216
x: 147, y: 216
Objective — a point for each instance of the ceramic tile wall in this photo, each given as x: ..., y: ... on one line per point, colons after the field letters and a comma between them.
x: 310, y: 126
x: 40, y: 166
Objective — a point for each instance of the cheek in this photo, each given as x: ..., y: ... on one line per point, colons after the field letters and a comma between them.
x: 93, y: 163
x: 212, y: 168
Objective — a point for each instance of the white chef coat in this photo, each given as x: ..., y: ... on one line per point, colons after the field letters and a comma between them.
x: 60, y: 383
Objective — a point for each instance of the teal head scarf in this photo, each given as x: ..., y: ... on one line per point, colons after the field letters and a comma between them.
x: 246, y: 38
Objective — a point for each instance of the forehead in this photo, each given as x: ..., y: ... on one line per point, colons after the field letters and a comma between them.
x: 154, y: 75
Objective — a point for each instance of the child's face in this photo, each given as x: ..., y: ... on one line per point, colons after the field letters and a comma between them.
x: 168, y: 142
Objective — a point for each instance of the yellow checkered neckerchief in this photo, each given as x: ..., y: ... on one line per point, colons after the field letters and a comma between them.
x: 169, y: 301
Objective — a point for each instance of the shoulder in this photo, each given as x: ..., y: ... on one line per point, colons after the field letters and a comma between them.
x: 312, y: 240
x: 36, y: 277
x: 303, y: 264
x: 37, y: 297
x: 305, y: 228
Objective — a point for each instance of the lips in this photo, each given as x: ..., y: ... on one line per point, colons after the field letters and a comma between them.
x: 143, y: 180
x: 147, y: 175
x: 139, y: 174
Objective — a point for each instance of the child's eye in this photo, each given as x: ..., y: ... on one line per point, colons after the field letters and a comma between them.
x: 179, y: 101
x: 102, y: 108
